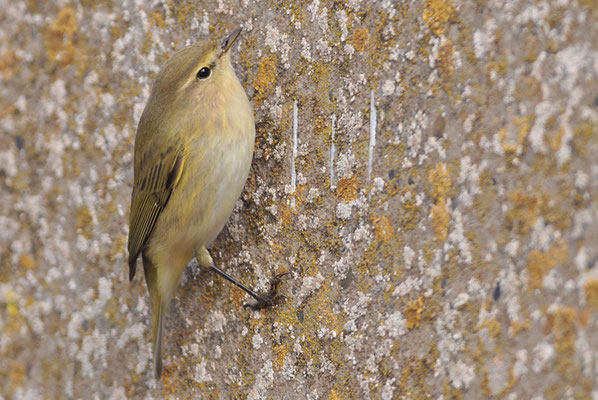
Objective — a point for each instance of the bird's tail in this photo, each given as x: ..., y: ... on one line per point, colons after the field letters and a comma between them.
x: 157, y: 333
x: 159, y: 308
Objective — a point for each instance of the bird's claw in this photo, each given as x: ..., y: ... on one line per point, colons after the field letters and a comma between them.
x: 270, y: 298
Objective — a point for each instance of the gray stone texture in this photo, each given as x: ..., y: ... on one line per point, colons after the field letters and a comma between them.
x: 443, y: 245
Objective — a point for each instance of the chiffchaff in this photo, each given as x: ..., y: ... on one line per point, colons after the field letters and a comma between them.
x: 193, y: 149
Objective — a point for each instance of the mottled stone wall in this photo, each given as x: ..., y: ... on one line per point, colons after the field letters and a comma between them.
x: 439, y: 219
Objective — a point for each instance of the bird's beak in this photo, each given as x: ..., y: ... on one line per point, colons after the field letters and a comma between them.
x: 228, y: 42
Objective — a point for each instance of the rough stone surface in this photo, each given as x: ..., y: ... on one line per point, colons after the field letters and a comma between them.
x: 440, y: 223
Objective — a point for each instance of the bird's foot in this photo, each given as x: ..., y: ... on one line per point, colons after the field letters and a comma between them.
x: 270, y: 298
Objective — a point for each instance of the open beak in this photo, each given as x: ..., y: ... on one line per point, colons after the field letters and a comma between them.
x: 228, y: 42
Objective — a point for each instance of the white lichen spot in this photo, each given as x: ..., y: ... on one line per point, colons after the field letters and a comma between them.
x: 201, y: 373
x: 543, y: 352
x: 8, y: 163
x: 393, y: 326
x: 216, y: 321
x: 263, y: 381
x: 461, y: 300
x: 520, y: 368
x: 257, y: 341
x: 344, y: 210
x: 461, y: 375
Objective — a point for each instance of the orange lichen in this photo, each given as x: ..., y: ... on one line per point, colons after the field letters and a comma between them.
x: 347, y: 188
x: 17, y: 374
x: 563, y: 328
x: 413, y: 312
x: 584, y: 317
x: 27, y: 261
x: 8, y: 61
x: 518, y: 327
x: 383, y: 229
x: 360, y: 38
x: 512, y: 140
x: 237, y: 295
x: 492, y: 325
x: 266, y: 77
x: 591, y: 291
x: 437, y: 13
x: 527, y: 207
x: 445, y: 59
x: 157, y: 20
x: 539, y: 263
x: 440, y: 179
x: 59, y: 36
x: 555, y: 139
x: 561, y: 323
x: 440, y: 218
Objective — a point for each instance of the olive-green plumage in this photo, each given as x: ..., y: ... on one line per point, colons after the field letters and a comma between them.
x: 193, y: 149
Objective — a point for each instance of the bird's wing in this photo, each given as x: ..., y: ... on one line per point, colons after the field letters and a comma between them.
x: 156, y: 176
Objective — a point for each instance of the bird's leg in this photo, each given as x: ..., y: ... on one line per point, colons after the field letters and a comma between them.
x: 263, y: 300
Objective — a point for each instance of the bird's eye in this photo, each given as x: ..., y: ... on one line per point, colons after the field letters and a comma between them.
x: 203, y: 73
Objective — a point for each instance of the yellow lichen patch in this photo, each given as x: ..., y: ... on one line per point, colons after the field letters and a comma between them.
x: 527, y: 207
x: 539, y: 263
x: 415, y: 374
x: 281, y: 353
x: 591, y: 291
x: 360, y: 38
x: 11, y: 303
x: 440, y: 218
x: 512, y: 140
x: 285, y: 208
x: 409, y: 217
x: 445, y: 59
x: 266, y: 77
x: 84, y: 221
x: 437, y: 13
x: 440, y: 179
x: 17, y: 373
x: 584, y: 317
x: 157, y: 20
x: 492, y: 325
x: 347, y: 188
x: 555, y: 139
x: 26, y: 261
x: 582, y: 134
x: 333, y: 395
x: 8, y: 61
x: 237, y: 295
x: 59, y: 36
x: 518, y: 327
x: 413, y: 312
x: 561, y: 323
x: 383, y: 229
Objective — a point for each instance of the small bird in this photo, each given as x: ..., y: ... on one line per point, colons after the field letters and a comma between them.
x: 193, y: 149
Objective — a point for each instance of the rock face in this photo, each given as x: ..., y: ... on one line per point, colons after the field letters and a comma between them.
x: 425, y: 170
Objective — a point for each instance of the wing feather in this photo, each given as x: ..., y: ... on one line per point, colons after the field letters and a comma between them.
x: 156, y: 176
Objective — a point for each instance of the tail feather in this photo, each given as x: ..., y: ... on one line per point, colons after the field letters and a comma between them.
x: 158, y: 331
x: 160, y: 291
x: 132, y: 267
x: 159, y: 308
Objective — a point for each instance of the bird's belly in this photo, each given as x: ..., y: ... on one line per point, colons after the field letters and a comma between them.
x: 226, y: 187
x: 209, y: 193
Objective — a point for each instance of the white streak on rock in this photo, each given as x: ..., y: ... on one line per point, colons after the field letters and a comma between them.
x: 293, y: 170
x: 332, y: 151
x: 372, y: 135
